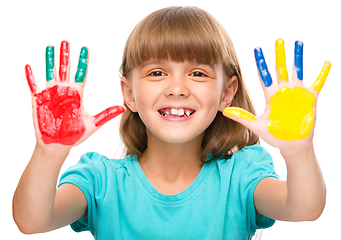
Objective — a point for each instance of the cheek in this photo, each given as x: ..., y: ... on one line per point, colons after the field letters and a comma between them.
x: 146, y: 95
x: 142, y: 100
x: 210, y: 95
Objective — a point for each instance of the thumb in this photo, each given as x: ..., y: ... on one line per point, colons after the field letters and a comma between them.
x: 241, y: 116
x: 108, y: 114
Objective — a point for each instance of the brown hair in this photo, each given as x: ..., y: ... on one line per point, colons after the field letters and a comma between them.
x: 192, y: 34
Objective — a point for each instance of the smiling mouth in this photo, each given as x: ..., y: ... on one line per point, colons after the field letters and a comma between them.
x: 173, y: 112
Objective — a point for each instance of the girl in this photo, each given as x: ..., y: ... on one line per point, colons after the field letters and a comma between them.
x: 192, y: 170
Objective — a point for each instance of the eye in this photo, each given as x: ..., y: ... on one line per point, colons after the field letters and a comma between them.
x: 198, y: 74
x: 157, y: 74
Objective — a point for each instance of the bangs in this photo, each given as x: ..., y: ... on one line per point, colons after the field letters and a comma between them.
x: 178, y: 34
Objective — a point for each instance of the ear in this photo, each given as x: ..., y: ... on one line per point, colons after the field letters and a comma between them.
x: 128, y: 95
x: 229, y: 92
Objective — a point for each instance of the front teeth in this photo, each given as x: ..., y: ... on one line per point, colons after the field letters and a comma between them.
x: 174, y: 111
x: 177, y: 112
x: 181, y: 112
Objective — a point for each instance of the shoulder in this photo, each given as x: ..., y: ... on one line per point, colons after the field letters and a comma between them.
x: 95, y: 159
x: 250, y: 159
x: 252, y: 151
x: 252, y: 155
x: 249, y: 154
x: 94, y: 166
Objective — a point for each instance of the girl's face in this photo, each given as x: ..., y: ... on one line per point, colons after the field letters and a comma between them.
x: 177, y: 101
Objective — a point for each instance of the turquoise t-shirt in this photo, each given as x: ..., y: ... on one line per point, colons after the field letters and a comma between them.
x: 122, y: 203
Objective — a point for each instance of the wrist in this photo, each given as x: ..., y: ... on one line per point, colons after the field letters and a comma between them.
x: 298, y: 153
x: 53, y: 152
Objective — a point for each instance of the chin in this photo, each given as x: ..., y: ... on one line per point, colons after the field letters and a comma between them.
x: 176, y: 139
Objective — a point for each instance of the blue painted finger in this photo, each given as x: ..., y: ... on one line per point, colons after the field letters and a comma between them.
x: 262, y: 67
x: 299, y: 59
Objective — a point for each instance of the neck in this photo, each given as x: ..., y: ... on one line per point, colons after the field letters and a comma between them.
x: 172, y: 163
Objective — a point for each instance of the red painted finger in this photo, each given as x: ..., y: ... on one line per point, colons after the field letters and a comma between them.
x: 64, y: 60
x: 30, y: 79
x: 107, y: 115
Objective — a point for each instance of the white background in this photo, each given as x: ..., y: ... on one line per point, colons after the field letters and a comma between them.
x: 27, y: 27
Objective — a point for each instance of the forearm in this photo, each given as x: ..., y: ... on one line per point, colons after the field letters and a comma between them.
x: 306, y: 190
x: 34, y: 197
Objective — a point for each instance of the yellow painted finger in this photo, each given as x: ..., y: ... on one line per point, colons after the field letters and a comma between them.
x: 240, y: 113
x: 321, y: 79
x: 280, y: 60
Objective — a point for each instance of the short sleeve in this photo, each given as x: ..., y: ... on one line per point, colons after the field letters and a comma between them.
x: 252, y: 163
x: 88, y: 176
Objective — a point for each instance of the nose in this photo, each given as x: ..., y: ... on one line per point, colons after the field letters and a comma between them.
x: 177, y: 87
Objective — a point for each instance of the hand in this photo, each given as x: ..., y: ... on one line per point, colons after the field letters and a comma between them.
x: 290, y: 111
x: 58, y: 113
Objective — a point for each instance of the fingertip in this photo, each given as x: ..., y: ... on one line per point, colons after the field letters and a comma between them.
x: 258, y: 53
x: 123, y: 109
x: 64, y: 46
x: 116, y: 110
x: 326, y: 68
x: 279, y: 42
x: 28, y: 71
x: 65, y: 42
x: 279, y: 46
x: 28, y: 68
x: 84, y: 54
x: 298, y: 47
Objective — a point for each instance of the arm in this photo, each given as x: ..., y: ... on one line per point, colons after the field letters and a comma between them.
x: 60, y: 123
x: 301, y: 198
x: 288, y: 123
x: 37, y: 205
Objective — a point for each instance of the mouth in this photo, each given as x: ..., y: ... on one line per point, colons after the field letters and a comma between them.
x: 176, y: 112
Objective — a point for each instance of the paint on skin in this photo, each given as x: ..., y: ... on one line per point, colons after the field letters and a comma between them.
x: 262, y: 67
x: 64, y: 60
x: 292, y: 114
x: 321, y: 79
x: 30, y: 79
x: 49, y: 63
x: 107, y: 115
x: 281, y: 61
x: 82, y: 65
x: 239, y: 112
x: 299, y: 59
x: 59, y: 115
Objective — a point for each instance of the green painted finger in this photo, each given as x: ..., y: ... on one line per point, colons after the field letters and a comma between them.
x: 82, y: 65
x: 49, y: 63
